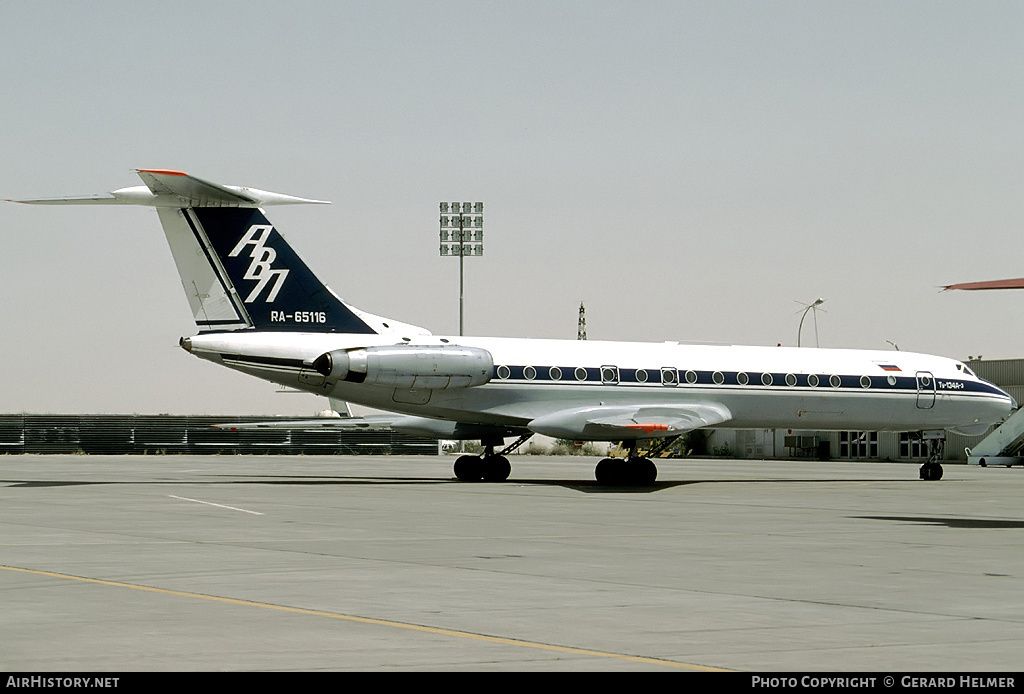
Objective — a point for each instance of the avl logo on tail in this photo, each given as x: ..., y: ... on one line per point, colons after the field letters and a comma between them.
x: 262, y: 257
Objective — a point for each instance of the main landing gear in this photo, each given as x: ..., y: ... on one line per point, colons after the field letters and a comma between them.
x: 631, y: 471
x: 491, y: 466
x: 634, y: 470
x: 488, y: 468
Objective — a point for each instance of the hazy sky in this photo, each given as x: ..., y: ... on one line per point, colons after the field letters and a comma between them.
x: 689, y: 170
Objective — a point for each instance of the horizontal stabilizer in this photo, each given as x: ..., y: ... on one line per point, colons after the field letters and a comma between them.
x: 101, y: 199
x: 166, y: 188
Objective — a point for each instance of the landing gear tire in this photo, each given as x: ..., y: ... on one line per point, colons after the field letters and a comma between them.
x: 931, y: 471
x: 638, y: 472
x: 467, y: 468
x: 495, y: 468
x: 492, y: 468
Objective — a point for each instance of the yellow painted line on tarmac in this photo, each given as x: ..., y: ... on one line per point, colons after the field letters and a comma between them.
x: 378, y: 622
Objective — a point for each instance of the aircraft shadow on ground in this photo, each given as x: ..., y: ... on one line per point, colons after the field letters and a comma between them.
x: 583, y: 486
x: 966, y: 523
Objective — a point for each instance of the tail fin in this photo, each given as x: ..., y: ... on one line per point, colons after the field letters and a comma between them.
x: 252, y: 277
x: 238, y: 272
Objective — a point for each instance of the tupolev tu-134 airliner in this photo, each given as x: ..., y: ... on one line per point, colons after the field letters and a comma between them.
x: 260, y: 310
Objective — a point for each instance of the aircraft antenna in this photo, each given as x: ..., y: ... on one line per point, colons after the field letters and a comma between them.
x: 581, y: 326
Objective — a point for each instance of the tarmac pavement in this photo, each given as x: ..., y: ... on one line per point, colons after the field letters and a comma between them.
x: 206, y: 563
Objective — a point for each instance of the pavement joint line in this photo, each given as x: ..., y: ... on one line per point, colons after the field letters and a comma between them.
x: 369, y: 620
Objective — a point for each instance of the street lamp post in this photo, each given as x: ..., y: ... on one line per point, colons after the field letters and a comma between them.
x: 462, y: 234
x: 813, y: 306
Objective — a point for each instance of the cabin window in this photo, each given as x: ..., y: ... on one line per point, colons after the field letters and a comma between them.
x: 766, y: 379
x: 812, y: 380
x: 891, y: 380
x: 668, y: 377
x: 691, y: 376
x: 555, y: 373
x: 835, y: 381
x: 790, y: 380
x: 865, y: 381
x: 718, y: 378
x: 581, y: 373
x: 529, y: 373
x: 742, y: 378
x: 641, y: 376
x: 504, y: 371
x: 609, y: 374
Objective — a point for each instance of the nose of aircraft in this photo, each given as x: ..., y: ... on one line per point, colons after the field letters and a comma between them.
x: 994, y: 408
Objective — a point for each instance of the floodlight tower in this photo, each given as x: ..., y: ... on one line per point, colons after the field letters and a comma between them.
x: 462, y: 234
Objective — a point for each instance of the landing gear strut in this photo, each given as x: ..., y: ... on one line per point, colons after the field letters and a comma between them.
x: 634, y: 470
x: 491, y: 466
x: 932, y: 470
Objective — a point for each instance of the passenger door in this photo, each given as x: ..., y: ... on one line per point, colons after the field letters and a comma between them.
x: 925, y: 390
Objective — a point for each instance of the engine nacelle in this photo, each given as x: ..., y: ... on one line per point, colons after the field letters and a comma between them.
x: 434, y: 367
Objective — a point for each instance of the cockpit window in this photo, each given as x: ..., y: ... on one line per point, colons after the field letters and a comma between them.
x: 967, y: 371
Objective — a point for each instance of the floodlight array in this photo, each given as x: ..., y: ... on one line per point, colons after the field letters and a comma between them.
x: 462, y: 229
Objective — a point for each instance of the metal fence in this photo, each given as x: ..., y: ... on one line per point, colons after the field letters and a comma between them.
x: 169, y: 434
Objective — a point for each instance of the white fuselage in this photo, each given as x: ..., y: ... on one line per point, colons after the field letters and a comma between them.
x: 762, y: 387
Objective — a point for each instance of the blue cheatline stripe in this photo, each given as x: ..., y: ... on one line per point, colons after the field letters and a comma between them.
x: 732, y: 378
x: 264, y: 361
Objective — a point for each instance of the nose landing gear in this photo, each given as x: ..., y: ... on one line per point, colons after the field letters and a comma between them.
x: 932, y: 470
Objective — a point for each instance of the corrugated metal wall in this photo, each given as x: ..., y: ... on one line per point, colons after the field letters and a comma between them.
x: 158, y: 434
x: 1003, y: 372
x: 1008, y: 374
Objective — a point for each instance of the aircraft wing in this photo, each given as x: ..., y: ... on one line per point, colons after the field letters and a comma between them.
x: 425, y: 427
x: 611, y: 422
x: 992, y: 284
x: 369, y: 422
